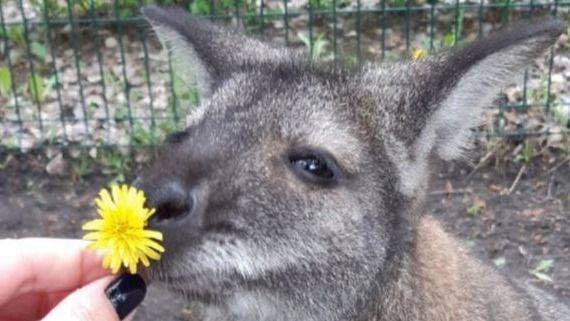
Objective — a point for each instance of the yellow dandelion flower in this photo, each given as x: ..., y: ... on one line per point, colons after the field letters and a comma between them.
x: 120, y: 232
x: 418, y: 53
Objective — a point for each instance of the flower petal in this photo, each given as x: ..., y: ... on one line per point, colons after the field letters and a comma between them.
x: 154, y: 245
x: 144, y: 260
x: 115, y: 264
x: 93, y: 246
x: 107, y: 261
x: 93, y: 225
x: 116, y: 193
x: 133, y: 265
x: 106, y: 199
x: 92, y: 236
x: 151, y: 253
x: 152, y: 234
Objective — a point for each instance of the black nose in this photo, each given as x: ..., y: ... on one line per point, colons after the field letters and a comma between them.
x: 169, y: 199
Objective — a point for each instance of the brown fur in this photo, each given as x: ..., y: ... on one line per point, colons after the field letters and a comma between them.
x: 441, y: 281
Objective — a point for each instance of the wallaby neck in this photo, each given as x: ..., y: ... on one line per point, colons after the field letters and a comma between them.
x: 438, y: 280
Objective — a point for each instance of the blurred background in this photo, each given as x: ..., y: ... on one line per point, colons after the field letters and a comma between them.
x: 86, y: 96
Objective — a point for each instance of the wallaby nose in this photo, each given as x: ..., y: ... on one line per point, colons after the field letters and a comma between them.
x: 169, y: 199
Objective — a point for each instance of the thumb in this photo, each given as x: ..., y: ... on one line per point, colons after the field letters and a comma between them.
x: 101, y: 300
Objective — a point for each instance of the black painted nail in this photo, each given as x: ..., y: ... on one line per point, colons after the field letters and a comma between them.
x: 126, y: 293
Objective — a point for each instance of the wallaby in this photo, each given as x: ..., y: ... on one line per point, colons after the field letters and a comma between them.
x: 297, y: 190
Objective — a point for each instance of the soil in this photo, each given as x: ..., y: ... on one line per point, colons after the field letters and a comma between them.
x: 514, y: 231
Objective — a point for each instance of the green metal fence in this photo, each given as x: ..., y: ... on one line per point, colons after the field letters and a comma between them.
x: 90, y: 73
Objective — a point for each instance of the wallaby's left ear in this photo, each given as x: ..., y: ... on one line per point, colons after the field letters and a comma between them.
x: 205, y: 53
x: 469, y: 79
x: 450, y: 91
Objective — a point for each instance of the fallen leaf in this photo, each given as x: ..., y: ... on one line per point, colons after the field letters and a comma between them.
x: 56, y: 165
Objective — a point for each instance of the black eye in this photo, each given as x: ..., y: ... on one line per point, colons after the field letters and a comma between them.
x: 315, y: 167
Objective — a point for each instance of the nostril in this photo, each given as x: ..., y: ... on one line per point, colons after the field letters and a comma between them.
x: 170, y: 201
x: 171, y: 210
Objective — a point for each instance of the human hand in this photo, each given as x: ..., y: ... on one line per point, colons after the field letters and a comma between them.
x: 56, y: 279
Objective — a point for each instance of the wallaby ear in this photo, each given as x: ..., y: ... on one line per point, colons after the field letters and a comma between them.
x: 470, y: 78
x: 447, y: 94
x: 202, y: 51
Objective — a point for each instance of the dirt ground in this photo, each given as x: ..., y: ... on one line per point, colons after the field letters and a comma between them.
x: 515, y: 232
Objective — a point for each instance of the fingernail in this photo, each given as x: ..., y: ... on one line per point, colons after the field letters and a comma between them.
x: 126, y: 293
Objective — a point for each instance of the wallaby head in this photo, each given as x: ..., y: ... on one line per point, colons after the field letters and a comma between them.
x: 296, y: 190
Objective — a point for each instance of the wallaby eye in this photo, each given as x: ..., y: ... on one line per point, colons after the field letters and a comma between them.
x: 314, y: 167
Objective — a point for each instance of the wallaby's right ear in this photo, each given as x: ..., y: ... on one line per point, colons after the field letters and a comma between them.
x: 205, y: 53
x: 451, y: 91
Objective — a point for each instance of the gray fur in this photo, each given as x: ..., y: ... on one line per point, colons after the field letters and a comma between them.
x: 260, y: 243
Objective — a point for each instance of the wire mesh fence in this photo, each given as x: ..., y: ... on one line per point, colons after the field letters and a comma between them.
x: 90, y: 72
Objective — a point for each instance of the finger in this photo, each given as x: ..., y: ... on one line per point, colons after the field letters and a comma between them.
x: 45, y: 265
x: 131, y: 316
x: 31, y: 306
x: 99, y: 301
x: 88, y: 303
